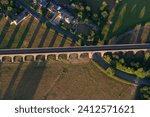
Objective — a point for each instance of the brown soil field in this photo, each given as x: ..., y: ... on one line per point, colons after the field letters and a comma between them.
x: 60, y: 80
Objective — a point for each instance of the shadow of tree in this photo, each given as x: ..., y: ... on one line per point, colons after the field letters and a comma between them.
x: 25, y: 32
x: 4, y: 31
x: 73, y: 43
x: 138, y: 95
x: 53, y: 39
x: 34, y: 35
x: 9, y: 92
x: 30, y: 80
x: 44, y: 37
x: 148, y: 40
x: 63, y: 41
x: 11, y: 40
x: 1, y: 16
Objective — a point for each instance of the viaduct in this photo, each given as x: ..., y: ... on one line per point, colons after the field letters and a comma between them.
x: 44, y: 54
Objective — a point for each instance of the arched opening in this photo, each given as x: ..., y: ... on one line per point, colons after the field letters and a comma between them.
x: 129, y: 53
x: 62, y: 57
x: 29, y: 58
x: 140, y: 56
x: 129, y: 57
x: 73, y: 56
x: 120, y: 53
x: 140, y: 53
x: 107, y: 54
x: 96, y: 56
x: 40, y: 58
x: 84, y: 56
x: 51, y: 57
x: 117, y: 55
x: 18, y: 59
x: 6, y: 59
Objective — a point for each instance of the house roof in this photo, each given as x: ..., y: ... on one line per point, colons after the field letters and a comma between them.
x: 19, y: 18
x: 42, y: 2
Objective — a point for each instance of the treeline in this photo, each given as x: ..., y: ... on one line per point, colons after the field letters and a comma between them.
x: 136, y: 64
x: 87, y: 14
x: 145, y: 92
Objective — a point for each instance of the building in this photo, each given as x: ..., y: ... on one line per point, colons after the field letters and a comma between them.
x: 59, y: 14
x: 42, y: 3
x: 67, y: 17
x: 18, y: 19
x: 53, y: 8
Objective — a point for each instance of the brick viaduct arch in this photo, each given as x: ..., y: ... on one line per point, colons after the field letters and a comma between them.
x: 15, y: 58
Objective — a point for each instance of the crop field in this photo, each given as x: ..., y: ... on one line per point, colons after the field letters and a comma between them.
x: 30, y: 34
x: 60, y: 80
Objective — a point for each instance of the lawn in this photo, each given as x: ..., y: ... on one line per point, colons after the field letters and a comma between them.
x: 128, y: 14
x: 60, y: 80
x: 140, y: 34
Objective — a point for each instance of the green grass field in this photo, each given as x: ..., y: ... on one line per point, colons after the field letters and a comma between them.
x: 128, y: 14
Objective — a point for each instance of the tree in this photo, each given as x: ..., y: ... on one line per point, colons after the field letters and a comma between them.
x: 121, y: 61
x: 88, y: 8
x: 86, y: 21
x: 95, y: 17
x: 104, y: 5
x: 145, y: 91
x: 110, y: 71
x: 3, y: 5
x: 80, y: 15
x: 104, y: 14
x: 140, y: 73
x: 4, y: 2
x: 113, y: 63
x: 107, y: 58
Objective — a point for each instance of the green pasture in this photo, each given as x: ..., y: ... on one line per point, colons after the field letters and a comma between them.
x: 128, y: 14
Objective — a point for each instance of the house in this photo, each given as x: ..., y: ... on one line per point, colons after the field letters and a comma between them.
x: 57, y: 19
x: 60, y: 15
x: 67, y: 17
x: 18, y: 19
x: 42, y: 3
x: 53, y: 8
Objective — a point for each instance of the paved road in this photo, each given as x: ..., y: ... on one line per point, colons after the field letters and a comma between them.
x: 76, y: 49
x: 130, y: 78
x: 42, y: 19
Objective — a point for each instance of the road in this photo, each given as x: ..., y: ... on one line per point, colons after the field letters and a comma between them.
x: 127, y: 77
x: 76, y: 49
x: 42, y: 19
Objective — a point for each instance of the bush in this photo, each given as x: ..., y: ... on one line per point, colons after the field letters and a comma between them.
x: 145, y: 91
x: 110, y: 71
